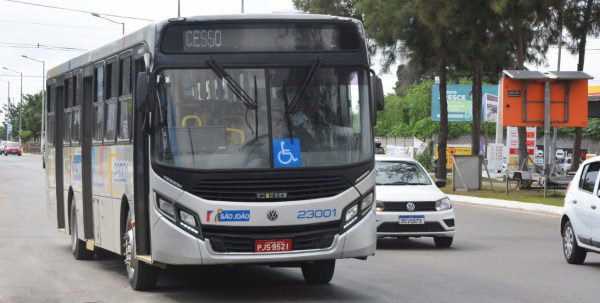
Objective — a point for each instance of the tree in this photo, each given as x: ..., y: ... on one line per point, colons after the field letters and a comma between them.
x: 532, y: 27
x: 581, y: 19
x: 32, y: 114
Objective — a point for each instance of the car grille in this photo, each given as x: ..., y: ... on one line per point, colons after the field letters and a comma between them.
x: 241, y: 239
x: 401, y: 206
x: 247, y: 190
x: 392, y: 227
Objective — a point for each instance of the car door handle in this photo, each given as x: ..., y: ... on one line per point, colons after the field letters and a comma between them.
x: 574, y: 201
x: 593, y: 206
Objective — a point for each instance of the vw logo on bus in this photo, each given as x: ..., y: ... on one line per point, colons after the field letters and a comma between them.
x: 272, y: 215
x: 410, y: 206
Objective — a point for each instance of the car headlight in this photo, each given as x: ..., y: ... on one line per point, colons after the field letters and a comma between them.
x: 366, y: 203
x: 379, y: 206
x: 443, y: 204
x: 350, y: 216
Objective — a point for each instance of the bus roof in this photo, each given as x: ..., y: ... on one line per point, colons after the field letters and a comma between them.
x: 147, y: 35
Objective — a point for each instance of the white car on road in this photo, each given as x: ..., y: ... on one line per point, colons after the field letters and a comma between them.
x: 580, y: 222
x: 409, y: 203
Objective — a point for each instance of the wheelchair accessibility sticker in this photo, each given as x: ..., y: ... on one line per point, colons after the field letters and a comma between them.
x: 286, y: 153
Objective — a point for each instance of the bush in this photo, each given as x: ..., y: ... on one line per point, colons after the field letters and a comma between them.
x: 425, y: 159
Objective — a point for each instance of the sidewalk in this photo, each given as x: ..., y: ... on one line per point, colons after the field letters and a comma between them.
x: 532, y: 207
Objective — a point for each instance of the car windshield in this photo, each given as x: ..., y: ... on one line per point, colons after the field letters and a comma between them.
x: 400, y: 173
x: 206, y: 122
x: 13, y: 144
x: 3, y: 143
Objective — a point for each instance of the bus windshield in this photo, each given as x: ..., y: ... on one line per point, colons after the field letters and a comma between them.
x: 204, y: 123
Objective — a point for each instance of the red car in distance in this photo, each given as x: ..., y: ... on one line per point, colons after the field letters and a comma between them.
x: 12, y: 148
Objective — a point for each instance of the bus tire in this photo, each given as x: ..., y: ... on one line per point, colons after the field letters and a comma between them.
x: 80, y: 252
x: 142, y: 276
x: 318, y: 272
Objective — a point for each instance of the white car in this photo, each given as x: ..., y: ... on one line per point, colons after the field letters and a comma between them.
x: 409, y: 203
x: 2, y: 146
x: 580, y: 221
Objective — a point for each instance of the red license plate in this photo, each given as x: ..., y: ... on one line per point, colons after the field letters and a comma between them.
x: 273, y: 245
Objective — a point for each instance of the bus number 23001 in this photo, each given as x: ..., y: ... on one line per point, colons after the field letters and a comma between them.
x: 316, y: 213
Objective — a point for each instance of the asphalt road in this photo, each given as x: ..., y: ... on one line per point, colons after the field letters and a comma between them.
x: 498, y: 255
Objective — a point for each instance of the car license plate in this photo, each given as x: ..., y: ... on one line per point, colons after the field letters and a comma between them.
x: 273, y: 245
x: 412, y: 219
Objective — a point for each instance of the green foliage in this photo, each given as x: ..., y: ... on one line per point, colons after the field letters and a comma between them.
x: 25, y: 136
x: 425, y: 159
x: 31, y: 117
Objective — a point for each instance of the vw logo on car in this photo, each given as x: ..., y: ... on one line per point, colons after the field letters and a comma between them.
x: 410, y: 206
x: 272, y: 215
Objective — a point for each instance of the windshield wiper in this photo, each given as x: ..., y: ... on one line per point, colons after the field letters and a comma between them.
x: 292, y: 107
x: 238, y: 91
x: 395, y: 183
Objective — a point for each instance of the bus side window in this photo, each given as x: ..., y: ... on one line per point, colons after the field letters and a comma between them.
x: 76, y: 118
x: 112, y: 78
x: 98, y: 128
x: 67, y: 118
x: 125, y: 104
x: 51, y: 105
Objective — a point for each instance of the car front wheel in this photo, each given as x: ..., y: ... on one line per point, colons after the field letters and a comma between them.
x: 443, y: 241
x: 573, y: 253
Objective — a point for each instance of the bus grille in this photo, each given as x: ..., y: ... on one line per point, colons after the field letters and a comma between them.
x: 242, y: 238
x: 255, y: 190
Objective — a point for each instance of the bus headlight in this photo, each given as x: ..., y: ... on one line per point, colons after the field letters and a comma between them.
x: 380, y: 206
x: 443, y: 204
x: 179, y: 215
x: 167, y: 207
x: 366, y: 203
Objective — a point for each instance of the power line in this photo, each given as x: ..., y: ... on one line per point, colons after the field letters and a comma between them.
x: 42, y: 45
x: 25, y: 30
x: 224, y: 7
x: 75, y: 10
x: 63, y: 25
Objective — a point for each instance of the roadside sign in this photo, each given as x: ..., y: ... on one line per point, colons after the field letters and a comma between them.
x: 10, y: 128
x: 494, y: 156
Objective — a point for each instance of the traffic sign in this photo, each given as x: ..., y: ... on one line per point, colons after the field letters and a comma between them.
x: 10, y: 128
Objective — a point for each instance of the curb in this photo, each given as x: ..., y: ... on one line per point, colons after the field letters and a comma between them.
x: 532, y: 207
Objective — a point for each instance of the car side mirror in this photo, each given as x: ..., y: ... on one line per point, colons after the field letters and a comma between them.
x: 141, y: 92
x: 440, y: 183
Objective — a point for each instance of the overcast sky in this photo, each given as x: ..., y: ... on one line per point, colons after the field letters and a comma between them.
x: 83, y: 31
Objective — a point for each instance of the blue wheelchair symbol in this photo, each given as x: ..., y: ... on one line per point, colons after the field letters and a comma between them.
x: 286, y: 153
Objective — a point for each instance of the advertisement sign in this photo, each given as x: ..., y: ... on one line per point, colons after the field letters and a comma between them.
x: 494, y: 156
x: 460, y: 103
x: 453, y: 151
x: 561, y: 153
x: 512, y: 140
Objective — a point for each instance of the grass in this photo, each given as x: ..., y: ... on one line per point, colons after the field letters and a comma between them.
x: 529, y: 196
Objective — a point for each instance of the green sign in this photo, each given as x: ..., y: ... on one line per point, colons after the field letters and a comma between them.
x: 460, y: 103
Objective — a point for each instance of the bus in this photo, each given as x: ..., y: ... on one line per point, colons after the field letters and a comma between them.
x: 217, y: 140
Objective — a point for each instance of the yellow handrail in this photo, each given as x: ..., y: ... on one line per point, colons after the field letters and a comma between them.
x: 191, y: 117
x: 237, y: 131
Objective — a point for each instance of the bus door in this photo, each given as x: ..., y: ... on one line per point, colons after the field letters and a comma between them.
x: 51, y: 153
x: 58, y: 156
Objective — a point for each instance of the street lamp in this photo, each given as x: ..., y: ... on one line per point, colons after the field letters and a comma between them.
x: 123, y: 23
x: 20, y: 103
x: 7, y: 108
x: 42, y: 131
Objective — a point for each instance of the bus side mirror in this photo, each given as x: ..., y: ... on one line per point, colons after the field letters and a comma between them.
x: 379, y: 96
x: 141, y: 92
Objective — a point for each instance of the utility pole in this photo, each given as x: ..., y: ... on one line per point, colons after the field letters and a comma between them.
x: 7, y: 109
x: 42, y: 131
x: 178, y: 8
x: 242, y: 6
x: 21, y: 102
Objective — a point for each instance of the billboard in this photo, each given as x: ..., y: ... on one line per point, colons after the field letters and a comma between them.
x: 453, y: 151
x: 460, y: 103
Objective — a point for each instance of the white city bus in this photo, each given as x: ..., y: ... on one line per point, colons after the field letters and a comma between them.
x: 242, y: 139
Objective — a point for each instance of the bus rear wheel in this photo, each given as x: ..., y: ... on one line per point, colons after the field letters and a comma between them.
x: 80, y: 252
x: 142, y: 276
x: 318, y: 272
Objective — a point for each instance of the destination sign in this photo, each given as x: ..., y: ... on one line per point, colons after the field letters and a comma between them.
x: 259, y: 37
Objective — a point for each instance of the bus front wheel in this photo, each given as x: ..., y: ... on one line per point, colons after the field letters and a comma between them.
x: 318, y: 272
x: 142, y: 276
x: 80, y: 252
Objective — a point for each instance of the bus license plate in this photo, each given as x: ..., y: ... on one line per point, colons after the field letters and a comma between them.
x: 273, y: 245
x: 412, y: 219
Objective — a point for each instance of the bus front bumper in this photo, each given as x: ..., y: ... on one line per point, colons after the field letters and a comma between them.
x: 172, y: 245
